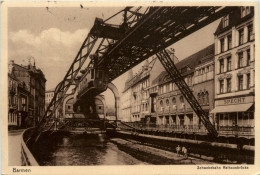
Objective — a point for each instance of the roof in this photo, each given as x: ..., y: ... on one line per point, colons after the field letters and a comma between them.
x: 30, y: 69
x: 140, y: 75
x: 234, y: 19
x: 189, y: 64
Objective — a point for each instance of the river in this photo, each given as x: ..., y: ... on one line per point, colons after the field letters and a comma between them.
x: 82, y: 150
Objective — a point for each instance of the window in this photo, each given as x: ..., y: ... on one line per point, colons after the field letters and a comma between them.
x: 173, y: 100
x: 250, y: 32
x: 68, y: 107
x: 207, y: 97
x: 229, y: 39
x: 240, y: 60
x: 181, y: 99
x: 206, y: 69
x: 222, y: 45
x: 221, y: 66
x: 161, y: 103
x: 240, y: 82
x: 203, y: 98
x: 167, y: 102
x: 229, y: 64
x: 245, y: 11
x: 202, y: 70
x: 229, y: 85
x: 225, y: 21
x: 168, y: 88
x: 248, y: 57
x: 221, y: 86
x: 241, y: 36
x: 248, y: 81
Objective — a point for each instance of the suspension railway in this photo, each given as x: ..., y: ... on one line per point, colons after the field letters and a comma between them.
x: 110, y: 50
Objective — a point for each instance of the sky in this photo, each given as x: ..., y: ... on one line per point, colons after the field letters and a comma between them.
x: 53, y: 36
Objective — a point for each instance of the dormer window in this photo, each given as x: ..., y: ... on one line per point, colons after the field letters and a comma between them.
x: 245, y: 11
x: 225, y: 21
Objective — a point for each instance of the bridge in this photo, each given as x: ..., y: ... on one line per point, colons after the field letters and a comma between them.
x: 110, y: 50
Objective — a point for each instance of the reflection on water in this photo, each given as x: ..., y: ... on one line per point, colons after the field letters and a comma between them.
x: 82, y: 150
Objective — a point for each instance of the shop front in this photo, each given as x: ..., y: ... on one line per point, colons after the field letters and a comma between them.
x: 235, y: 115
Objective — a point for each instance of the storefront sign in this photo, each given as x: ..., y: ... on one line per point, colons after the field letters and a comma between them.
x: 235, y: 100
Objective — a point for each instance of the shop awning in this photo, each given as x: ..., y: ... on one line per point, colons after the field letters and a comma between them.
x: 232, y: 108
x: 79, y: 116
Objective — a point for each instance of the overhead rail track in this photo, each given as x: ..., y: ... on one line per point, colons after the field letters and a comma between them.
x: 145, y: 31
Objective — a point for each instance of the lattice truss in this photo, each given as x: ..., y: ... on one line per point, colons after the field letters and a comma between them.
x: 144, y: 32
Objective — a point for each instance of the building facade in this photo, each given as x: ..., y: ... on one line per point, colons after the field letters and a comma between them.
x: 34, y: 81
x: 18, y: 103
x: 135, y: 97
x: 172, y: 108
x: 48, y: 97
x: 235, y: 72
x: 13, y: 120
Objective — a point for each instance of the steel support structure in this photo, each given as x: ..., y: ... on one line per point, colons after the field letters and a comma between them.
x: 49, y: 117
x: 143, y: 33
x: 175, y: 75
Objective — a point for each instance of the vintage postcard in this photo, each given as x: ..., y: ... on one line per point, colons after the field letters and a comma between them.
x: 129, y: 87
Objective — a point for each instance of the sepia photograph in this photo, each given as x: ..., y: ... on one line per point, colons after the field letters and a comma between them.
x: 123, y: 85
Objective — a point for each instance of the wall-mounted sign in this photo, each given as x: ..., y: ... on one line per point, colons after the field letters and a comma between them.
x: 235, y: 100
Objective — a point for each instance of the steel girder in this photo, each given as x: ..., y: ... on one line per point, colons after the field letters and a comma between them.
x: 168, y: 64
x: 158, y: 29
x: 71, y: 76
x: 146, y: 32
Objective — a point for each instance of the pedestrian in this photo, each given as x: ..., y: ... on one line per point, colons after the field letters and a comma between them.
x: 185, y: 152
x: 182, y: 150
x: 178, y: 149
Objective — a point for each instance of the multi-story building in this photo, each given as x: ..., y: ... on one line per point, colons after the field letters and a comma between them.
x: 34, y: 81
x: 13, y: 119
x: 172, y: 107
x: 126, y: 99
x: 203, y: 84
x: 136, y: 94
x: 235, y: 71
x: 18, y: 103
x: 48, y: 97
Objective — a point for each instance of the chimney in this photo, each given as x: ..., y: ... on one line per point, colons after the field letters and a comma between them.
x: 10, y: 66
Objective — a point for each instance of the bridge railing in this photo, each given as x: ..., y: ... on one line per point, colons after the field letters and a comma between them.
x: 223, y: 130
x: 26, y: 155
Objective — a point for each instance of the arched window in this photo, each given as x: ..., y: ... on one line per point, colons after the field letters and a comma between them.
x: 207, y: 97
x: 181, y: 99
x: 161, y: 103
x: 174, y: 100
x: 203, y: 98
x: 167, y: 102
